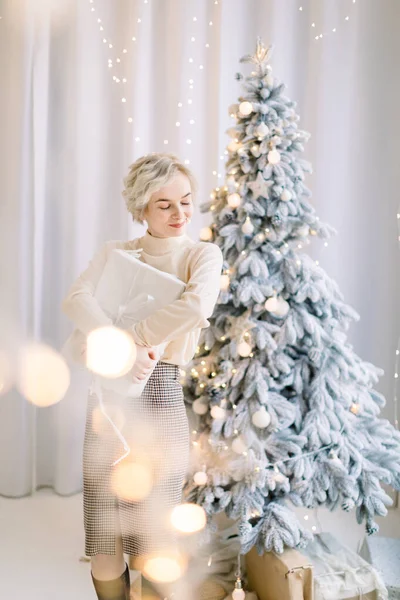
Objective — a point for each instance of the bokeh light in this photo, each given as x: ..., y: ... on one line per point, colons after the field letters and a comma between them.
x: 43, y: 374
x: 132, y: 481
x: 164, y: 567
x: 188, y: 518
x: 111, y: 352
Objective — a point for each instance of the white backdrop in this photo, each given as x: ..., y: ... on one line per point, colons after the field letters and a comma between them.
x: 66, y: 143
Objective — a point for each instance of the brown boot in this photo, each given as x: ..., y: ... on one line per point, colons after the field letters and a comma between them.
x: 149, y: 592
x: 113, y: 589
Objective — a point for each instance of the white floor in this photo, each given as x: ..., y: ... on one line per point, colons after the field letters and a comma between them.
x: 42, y: 540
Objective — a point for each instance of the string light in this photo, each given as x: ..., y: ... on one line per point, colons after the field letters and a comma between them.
x: 355, y: 407
x: 117, y: 80
x: 118, y: 60
x: 239, y: 447
x: 326, y: 33
x: 192, y: 81
x: 120, y: 63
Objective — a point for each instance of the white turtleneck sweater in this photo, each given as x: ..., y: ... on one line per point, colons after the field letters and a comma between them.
x: 198, y: 264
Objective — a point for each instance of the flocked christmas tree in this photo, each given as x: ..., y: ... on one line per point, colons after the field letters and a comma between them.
x: 286, y: 411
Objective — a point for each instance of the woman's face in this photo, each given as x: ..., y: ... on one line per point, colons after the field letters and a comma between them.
x: 170, y: 205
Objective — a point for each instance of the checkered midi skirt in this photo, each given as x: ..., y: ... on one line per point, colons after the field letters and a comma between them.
x: 155, y: 426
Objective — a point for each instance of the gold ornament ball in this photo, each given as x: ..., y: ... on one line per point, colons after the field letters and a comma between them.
x: 234, y: 200
x: 218, y: 413
x: 200, y: 478
x: 283, y: 308
x: 238, y: 445
x: 271, y: 304
x: 245, y: 108
x: 247, y: 227
x: 262, y: 130
x: 244, y: 349
x: 274, y: 157
x: 261, y: 418
x: 286, y: 195
x: 199, y: 407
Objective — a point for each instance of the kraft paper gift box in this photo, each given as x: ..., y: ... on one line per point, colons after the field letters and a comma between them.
x: 128, y: 291
x: 286, y: 576
x: 324, y: 570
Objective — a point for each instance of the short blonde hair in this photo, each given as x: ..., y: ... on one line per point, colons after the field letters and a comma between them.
x: 148, y: 174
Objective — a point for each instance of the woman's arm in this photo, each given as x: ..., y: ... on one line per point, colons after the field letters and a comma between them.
x: 80, y: 305
x: 194, y: 306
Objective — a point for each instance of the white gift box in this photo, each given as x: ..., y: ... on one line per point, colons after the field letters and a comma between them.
x: 384, y: 554
x: 128, y: 291
x: 340, y: 574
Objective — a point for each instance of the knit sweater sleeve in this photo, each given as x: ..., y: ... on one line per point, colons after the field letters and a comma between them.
x: 194, y: 306
x: 80, y: 305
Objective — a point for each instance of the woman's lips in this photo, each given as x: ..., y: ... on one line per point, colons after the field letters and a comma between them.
x: 179, y: 225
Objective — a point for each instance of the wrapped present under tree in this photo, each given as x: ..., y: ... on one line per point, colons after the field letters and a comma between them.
x: 384, y: 554
x: 325, y: 570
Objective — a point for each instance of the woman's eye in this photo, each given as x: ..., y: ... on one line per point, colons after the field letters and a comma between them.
x: 167, y: 207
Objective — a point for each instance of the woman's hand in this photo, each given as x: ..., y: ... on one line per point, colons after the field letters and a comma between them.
x: 146, y: 360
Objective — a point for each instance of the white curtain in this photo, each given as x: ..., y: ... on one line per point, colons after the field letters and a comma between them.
x: 66, y: 143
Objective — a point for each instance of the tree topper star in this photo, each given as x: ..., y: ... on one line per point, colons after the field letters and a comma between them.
x: 262, y: 54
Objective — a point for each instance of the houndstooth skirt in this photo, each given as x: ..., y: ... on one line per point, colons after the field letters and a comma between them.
x: 155, y: 426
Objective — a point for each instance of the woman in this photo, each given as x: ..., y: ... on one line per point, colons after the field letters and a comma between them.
x: 160, y: 190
